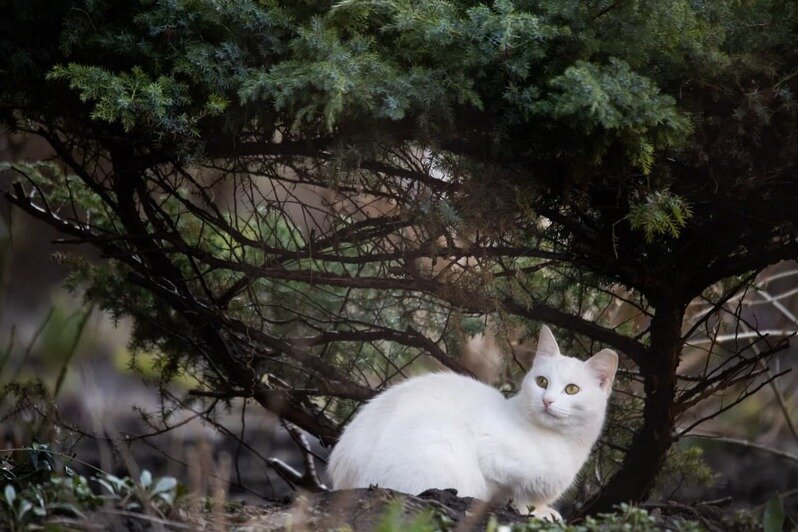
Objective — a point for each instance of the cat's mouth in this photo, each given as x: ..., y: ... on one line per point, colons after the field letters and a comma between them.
x: 552, y: 413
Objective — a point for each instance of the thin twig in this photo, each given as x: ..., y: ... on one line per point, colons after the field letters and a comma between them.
x: 746, y: 443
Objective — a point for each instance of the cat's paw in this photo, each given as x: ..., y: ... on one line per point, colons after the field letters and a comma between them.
x: 547, y: 513
x: 541, y: 511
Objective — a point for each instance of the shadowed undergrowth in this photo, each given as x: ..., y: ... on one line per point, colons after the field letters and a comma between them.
x: 42, y: 491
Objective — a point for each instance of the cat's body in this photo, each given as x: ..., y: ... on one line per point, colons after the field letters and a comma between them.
x: 449, y: 431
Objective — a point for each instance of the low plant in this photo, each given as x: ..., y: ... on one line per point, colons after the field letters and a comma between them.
x: 39, y: 488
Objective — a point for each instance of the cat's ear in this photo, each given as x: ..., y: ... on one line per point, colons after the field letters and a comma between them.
x: 547, y: 345
x: 604, y: 364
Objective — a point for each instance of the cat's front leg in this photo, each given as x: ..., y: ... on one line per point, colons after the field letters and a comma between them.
x: 531, y: 483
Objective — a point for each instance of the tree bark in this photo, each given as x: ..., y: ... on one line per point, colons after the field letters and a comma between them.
x: 649, y: 448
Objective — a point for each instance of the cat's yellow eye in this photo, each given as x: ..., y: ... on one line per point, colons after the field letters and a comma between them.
x: 542, y: 381
x: 571, y: 389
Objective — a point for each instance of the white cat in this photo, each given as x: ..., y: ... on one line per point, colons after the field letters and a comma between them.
x: 445, y: 430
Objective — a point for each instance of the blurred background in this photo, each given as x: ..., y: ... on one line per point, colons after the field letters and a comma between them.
x: 740, y: 458
x: 80, y: 355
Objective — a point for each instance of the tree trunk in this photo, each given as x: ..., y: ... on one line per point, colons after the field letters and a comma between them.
x: 649, y: 447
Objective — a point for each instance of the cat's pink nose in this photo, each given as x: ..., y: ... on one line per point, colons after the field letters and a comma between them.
x: 547, y: 402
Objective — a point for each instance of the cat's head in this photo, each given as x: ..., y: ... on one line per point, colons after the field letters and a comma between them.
x: 562, y: 392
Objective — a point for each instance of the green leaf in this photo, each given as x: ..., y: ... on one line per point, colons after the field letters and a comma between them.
x: 112, y: 483
x: 164, y: 484
x: 146, y: 479
x: 11, y: 494
x: 66, y: 507
x: 774, y: 515
x: 24, y: 507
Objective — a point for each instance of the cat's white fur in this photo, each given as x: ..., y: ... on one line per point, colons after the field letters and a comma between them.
x: 444, y: 430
